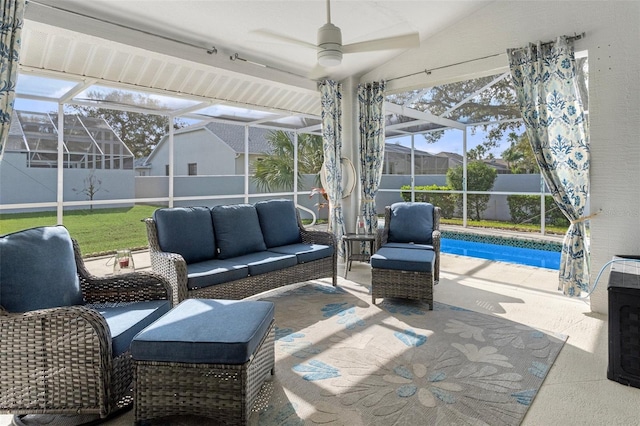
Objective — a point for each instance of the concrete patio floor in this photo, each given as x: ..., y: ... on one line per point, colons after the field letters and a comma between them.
x: 576, y: 390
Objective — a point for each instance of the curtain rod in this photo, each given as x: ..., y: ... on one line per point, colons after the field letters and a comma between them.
x: 427, y: 71
x: 210, y: 50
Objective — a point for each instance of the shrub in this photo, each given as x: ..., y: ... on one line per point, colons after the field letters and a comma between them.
x: 446, y: 202
x: 526, y: 209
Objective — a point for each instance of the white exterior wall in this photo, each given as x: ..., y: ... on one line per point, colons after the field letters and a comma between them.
x: 612, y: 32
x: 22, y: 184
x: 213, y: 156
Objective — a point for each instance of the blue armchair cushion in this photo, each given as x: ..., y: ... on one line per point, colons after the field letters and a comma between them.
x: 409, y: 246
x: 279, y: 222
x: 215, y: 271
x: 306, y: 252
x: 403, y: 259
x: 237, y: 230
x: 411, y: 223
x: 206, y: 331
x: 38, y: 270
x: 125, y: 320
x: 187, y: 231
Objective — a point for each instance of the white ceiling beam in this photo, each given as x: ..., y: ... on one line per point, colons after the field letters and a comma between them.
x: 420, y: 115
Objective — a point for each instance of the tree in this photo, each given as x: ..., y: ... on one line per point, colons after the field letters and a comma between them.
x: 92, y: 185
x: 485, y: 103
x: 275, y: 171
x: 519, y: 156
x: 480, y: 177
x: 139, y: 132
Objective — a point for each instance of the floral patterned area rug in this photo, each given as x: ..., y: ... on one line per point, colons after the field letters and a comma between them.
x: 342, y: 361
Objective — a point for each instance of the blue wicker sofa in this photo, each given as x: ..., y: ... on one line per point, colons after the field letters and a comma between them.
x: 235, y: 251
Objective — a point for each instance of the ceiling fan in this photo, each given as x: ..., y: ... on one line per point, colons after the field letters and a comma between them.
x: 330, y: 48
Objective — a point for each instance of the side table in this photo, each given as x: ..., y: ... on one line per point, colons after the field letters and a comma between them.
x: 349, y: 239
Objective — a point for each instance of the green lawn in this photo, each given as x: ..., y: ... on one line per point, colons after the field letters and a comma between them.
x: 98, y: 232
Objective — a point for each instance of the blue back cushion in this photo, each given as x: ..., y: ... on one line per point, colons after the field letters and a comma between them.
x: 38, y: 270
x: 237, y: 230
x: 279, y: 222
x: 187, y: 231
x: 411, y: 223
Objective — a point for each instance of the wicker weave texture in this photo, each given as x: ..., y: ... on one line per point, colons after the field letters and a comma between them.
x: 173, y: 267
x: 59, y: 360
x: 402, y: 284
x: 222, y: 392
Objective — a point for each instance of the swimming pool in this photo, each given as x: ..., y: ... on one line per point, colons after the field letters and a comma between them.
x: 504, y: 253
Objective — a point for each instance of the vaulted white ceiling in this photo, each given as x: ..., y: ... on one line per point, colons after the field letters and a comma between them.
x: 163, y: 45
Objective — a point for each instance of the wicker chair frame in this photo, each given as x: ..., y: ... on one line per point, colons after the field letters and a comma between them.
x: 174, y: 268
x: 406, y: 284
x: 59, y: 360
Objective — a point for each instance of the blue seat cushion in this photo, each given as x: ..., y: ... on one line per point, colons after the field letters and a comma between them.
x: 279, y: 222
x: 237, y: 230
x: 411, y: 223
x: 305, y: 252
x: 403, y: 259
x: 187, y: 231
x: 206, y: 331
x: 265, y: 261
x: 125, y: 320
x: 38, y: 270
x: 212, y: 272
x: 409, y: 246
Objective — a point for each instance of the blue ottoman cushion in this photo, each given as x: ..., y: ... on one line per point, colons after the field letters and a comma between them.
x: 411, y: 223
x: 187, y: 231
x: 306, y: 252
x: 279, y: 222
x: 206, y: 331
x: 237, y: 230
x: 403, y: 259
x: 125, y: 320
x: 38, y: 270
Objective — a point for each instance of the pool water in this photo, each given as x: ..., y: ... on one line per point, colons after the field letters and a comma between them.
x: 523, y: 256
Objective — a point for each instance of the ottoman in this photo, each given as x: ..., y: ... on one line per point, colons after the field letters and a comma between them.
x: 404, y: 273
x: 204, y: 358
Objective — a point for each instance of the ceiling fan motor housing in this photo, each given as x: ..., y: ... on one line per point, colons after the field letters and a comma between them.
x: 329, y: 45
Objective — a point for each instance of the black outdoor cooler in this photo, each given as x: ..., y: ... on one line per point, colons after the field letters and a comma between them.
x: 624, y: 321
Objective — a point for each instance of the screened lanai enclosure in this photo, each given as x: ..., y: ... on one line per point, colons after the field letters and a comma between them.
x: 423, y: 142
x: 87, y: 142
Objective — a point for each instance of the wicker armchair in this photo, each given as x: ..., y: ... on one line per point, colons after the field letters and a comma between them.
x: 60, y: 360
x: 407, y: 263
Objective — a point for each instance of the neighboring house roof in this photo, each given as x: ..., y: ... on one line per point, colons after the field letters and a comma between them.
x: 230, y: 134
x: 401, y: 149
x: 141, y: 163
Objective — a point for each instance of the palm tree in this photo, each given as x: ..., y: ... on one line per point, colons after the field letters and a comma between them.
x: 275, y: 171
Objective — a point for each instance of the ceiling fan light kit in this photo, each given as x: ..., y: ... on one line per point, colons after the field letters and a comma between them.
x: 329, y: 45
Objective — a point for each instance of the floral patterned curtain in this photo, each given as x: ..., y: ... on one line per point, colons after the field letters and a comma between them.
x: 545, y: 79
x: 371, y: 104
x: 331, y: 97
x: 10, y: 30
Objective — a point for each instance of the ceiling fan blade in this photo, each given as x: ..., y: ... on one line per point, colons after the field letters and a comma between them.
x: 405, y: 41
x: 285, y: 38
